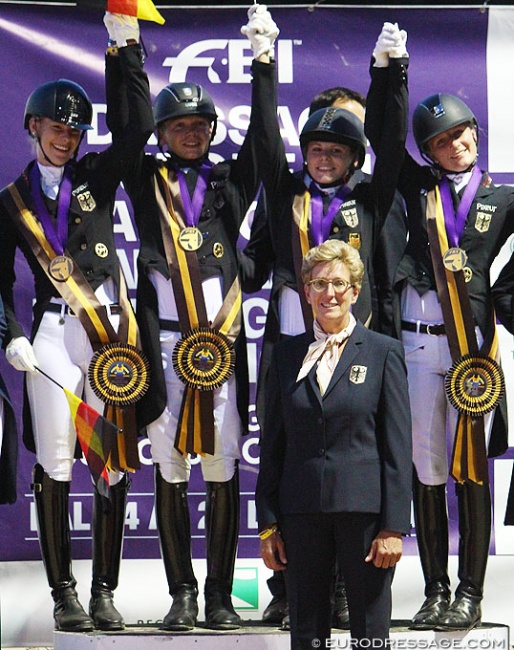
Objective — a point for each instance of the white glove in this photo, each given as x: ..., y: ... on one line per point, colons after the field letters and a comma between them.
x: 261, y: 30
x: 20, y: 354
x: 390, y: 43
x: 121, y: 28
x: 398, y: 46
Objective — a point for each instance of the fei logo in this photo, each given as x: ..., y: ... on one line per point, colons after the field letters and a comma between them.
x: 245, y: 588
x: 235, y: 54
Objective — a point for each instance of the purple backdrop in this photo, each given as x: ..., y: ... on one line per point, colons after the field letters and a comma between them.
x: 316, y: 49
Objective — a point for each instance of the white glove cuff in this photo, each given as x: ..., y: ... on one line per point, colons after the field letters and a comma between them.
x: 381, y: 59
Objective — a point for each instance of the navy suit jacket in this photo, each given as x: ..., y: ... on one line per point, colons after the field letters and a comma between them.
x: 349, y: 450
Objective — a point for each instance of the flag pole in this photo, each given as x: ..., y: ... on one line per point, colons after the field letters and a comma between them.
x: 48, y: 377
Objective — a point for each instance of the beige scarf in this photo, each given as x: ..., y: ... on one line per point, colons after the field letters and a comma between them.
x: 325, y: 351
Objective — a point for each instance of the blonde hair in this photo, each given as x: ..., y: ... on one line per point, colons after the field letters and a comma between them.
x: 334, y: 251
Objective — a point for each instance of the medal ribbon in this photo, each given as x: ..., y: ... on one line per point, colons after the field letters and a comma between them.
x: 57, y: 238
x: 78, y: 294
x: 195, y: 430
x: 320, y: 223
x: 193, y: 207
x: 300, y: 245
x: 469, y: 457
x: 455, y: 222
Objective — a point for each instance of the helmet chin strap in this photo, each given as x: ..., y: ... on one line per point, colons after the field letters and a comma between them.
x: 35, y: 135
x: 45, y: 155
x: 438, y: 168
x: 343, y: 180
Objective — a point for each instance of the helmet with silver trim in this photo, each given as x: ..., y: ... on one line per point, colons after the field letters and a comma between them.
x: 336, y: 125
x: 61, y: 101
x: 436, y: 114
x: 184, y: 99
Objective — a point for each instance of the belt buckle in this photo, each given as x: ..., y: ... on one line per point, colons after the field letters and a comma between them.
x: 429, y: 332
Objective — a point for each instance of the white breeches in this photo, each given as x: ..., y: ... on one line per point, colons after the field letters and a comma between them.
x: 174, y: 467
x: 433, y: 418
x: 63, y: 351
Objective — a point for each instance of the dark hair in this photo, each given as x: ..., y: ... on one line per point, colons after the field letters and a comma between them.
x: 327, y: 97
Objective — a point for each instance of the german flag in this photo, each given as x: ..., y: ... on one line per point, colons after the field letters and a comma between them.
x: 96, y: 436
x: 141, y: 9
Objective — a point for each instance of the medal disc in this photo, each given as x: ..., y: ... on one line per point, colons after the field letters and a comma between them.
x: 60, y: 268
x: 190, y: 239
x: 204, y: 359
x: 475, y: 385
x: 455, y: 259
x: 119, y: 374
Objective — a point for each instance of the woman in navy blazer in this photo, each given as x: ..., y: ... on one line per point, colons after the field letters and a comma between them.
x: 336, y: 464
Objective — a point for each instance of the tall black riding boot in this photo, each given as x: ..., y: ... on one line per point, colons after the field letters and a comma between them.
x: 474, y: 503
x: 431, y: 519
x: 222, y: 530
x: 173, y: 523
x: 340, y: 612
x: 108, y: 529
x: 51, y: 499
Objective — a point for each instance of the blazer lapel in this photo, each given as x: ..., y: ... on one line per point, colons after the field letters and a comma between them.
x: 350, y: 351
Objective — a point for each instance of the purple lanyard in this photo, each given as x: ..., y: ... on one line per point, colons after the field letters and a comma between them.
x: 320, y: 223
x: 193, y: 208
x: 56, y: 238
x: 455, y: 221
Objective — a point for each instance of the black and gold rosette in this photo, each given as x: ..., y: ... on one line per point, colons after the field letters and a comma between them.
x: 475, y: 385
x: 119, y: 374
x: 204, y: 359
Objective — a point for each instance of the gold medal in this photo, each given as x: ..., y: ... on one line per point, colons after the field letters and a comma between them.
x: 60, y: 268
x: 455, y: 259
x: 204, y: 359
x: 190, y: 239
x: 475, y: 385
x: 119, y: 374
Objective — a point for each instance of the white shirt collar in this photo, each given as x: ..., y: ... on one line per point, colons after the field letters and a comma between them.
x: 51, y: 178
x: 460, y: 180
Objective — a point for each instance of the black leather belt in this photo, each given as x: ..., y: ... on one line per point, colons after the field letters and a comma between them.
x: 169, y: 325
x: 67, y: 310
x: 424, y: 328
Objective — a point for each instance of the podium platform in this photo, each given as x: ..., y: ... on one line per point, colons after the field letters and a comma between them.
x: 254, y: 635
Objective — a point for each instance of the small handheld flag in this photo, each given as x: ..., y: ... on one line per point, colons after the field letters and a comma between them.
x: 142, y: 9
x: 96, y: 435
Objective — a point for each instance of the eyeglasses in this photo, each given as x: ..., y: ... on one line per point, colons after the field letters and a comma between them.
x: 320, y: 285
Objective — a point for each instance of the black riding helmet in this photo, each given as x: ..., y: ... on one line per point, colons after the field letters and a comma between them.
x: 61, y: 101
x: 336, y: 125
x: 183, y: 99
x: 437, y: 114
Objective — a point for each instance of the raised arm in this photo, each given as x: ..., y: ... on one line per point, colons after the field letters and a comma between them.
x: 129, y: 108
x: 387, y: 107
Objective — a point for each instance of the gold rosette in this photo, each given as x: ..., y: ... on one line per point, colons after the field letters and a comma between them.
x: 475, y: 385
x: 204, y: 359
x: 119, y: 374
